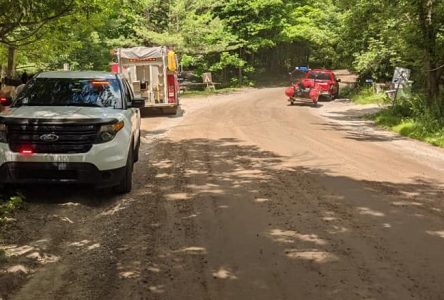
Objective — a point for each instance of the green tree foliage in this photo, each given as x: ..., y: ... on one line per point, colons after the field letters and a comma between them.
x: 22, y: 20
x: 427, y: 37
x: 314, y: 25
x: 82, y: 35
x: 379, y: 35
x: 233, y: 37
x: 255, y: 23
x: 241, y: 39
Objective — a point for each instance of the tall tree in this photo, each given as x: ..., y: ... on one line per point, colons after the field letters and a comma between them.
x: 21, y: 22
x: 430, y: 18
x: 379, y: 35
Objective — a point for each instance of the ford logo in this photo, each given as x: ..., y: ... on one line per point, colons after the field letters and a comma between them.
x: 50, y: 137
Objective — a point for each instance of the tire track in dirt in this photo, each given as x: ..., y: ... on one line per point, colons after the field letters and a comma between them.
x: 89, y: 234
x: 328, y: 212
x: 173, y: 247
x: 243, y: 198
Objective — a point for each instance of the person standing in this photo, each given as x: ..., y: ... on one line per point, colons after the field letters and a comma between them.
x: 25, y: 78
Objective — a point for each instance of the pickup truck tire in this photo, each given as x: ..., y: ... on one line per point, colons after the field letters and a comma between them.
x: 126, y: 184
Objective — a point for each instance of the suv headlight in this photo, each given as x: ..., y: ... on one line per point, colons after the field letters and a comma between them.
x: 108, y: 132
x: 3, y: 133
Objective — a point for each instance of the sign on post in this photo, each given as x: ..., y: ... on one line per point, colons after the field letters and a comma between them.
x: 207, y: 78
x: 400, y: 81
x: 401, y: 77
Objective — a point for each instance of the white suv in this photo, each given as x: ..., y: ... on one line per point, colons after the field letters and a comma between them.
x: 79, y: 127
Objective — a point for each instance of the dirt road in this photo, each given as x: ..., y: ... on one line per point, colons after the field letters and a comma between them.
x: 244, y: 197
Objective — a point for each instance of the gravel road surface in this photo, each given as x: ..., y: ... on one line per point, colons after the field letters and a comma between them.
x: 243, y: 197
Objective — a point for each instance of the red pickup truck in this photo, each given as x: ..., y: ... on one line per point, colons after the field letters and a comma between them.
x: 326, y: 80
x: 316, y: 83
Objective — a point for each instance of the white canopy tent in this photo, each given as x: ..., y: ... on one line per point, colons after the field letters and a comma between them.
x: 142, y: 52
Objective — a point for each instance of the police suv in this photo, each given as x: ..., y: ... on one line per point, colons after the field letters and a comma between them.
x: 74, y: 127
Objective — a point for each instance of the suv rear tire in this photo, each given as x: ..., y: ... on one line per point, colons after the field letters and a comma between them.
x: 126, y: 184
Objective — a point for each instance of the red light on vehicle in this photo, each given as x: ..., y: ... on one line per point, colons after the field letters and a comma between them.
x: 3, y: 100
x: 100, y: 82
x: 26, y: 151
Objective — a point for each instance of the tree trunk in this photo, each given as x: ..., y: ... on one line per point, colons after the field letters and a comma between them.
x: 10, y: 71
x: 307, y: 57
x: 439, y: 81
x: 240, y: 68
x: 240, y: 76
x: 433, y: 84
x: 429, y: 37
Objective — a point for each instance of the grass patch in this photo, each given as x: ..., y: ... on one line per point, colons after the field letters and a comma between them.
x: 425, y: 129
x: 367, y: 96
x: 9, y: 204
x: 386, y: 118
x: 206, y: 92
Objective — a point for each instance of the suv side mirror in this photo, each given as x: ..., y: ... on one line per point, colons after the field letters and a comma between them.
x: 138, y: 102
x: 5, y: 100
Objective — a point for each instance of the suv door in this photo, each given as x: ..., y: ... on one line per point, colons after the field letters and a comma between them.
x: 133, y: 113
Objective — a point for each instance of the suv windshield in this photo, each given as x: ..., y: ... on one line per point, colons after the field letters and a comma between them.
x: 319, y: 76
x: 71, y: 92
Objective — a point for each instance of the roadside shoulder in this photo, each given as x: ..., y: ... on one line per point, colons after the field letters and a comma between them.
x: 351, y: 119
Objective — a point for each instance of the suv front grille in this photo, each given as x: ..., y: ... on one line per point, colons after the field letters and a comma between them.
x: 70, y: 138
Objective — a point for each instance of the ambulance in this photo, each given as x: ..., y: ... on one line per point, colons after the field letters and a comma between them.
x: 152, y: 74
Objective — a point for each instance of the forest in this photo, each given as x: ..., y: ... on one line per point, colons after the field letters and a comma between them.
x: 242, y: 42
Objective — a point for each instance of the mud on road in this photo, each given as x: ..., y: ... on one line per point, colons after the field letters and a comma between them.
x: 243, y: 197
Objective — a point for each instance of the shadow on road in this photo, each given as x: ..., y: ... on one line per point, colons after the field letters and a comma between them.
x: 305, y: 104
x: 209, y: 213
x: 225, y: 200
x: 66, y: 193
x: 353, y: 114
x: 153, y: 113
x: 356, y: 125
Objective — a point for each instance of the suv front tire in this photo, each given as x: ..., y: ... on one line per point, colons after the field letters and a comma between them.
x: 126, y: 183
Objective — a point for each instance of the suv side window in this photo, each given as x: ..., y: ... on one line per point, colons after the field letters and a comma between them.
x: 128, y: 93
x: 130, y: 89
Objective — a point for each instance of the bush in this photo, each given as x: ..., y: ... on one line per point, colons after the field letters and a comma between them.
x: 387, y: 118
x: 411, y: 106
x: 366, y: 95
x: 347, y: 91
x: 408, y: 122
